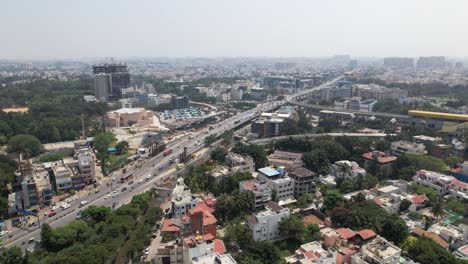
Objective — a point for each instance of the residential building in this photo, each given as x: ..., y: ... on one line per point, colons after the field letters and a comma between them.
x: 462, y: 252
x: 240, y: 163
x: 459, y: 190
x: 201, y: 221
x: 379, y: 250
x: 402, y: 147
x: 304, y: 181
x: 219, y: 174
x: 312, y: 252
x: 433, y: 62
x: 182, y: 200
x: 196, y: 247
x: 437, y: 181
x: 379, y: 164
x: 262, y: 194
x: 215, y: 258
x: 111, y: 77
x: 345, y: 169
x: 129, y: 116
x: 179, y: 102
x: 289, y: 160
x: 265, y: 225
x: 453, y: 235
x: 169, y: 253
x: 398, y: 62
x: 279, y: 182
x: 336, y: 92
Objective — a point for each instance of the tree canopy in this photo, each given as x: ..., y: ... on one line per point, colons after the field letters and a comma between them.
x: 27, y: 145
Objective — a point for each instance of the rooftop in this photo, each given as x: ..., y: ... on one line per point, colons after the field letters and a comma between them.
x: 269, y: 172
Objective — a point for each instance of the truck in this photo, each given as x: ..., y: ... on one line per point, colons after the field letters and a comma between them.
x: 167, y: 152
x: 126, y: 178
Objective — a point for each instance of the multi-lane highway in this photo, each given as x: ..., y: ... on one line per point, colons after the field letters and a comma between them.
x: 158, y: 168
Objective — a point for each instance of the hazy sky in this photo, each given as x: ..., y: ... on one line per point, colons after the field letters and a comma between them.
x: 172, y: 28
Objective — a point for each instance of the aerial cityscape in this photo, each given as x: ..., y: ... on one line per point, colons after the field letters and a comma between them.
x: 201, y: 132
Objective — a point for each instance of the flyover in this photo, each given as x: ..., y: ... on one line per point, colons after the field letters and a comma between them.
x: 312, y: 136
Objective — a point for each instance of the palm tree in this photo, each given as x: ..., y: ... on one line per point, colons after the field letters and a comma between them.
x: 437, y: 209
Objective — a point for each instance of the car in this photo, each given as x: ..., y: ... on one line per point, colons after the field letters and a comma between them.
x: 96, y: 191
x: 31, y: 240
x: 140, y: 180
x: 52, y: 213
x: 107, y: 196
x: 147, y: 251
x: 69, y: 200
x: 65, y: 206
x: 54, y: 208
x: 115, y: 195
x: 78, y: 215
x: 123, y: 189
x: 4, y: 232
x: 114, y: 179
x: 130, y: 182
x: 83, y: 203
x: 148, y: 177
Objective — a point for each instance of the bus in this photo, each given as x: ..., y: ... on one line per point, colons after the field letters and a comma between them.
x: 126, y: 178
x: 167, y: 152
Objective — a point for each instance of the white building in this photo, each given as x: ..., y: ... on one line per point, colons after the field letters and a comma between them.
x: 63, y: 177
x: 277, y: 180
x: 215, y: 258
x: 402, y: 147
x: 86, y: 165
x: 453, y: 235
x: 265, y: 225
x: 434, y: 180
x: 379, y: 250
x: 312, y: 252
x: 347, y: 169
x: 196, y: 248
x: 239, y: 163
x: 182, y: 200
x: 262, y: 194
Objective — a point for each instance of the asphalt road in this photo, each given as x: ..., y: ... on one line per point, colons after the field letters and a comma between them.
x: 158, y: 165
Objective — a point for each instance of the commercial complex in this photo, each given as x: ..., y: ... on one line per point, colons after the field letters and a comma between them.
x: 129, y: 116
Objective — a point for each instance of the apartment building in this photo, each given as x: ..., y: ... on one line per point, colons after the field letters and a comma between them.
x: 278, y: 181
x: 379, y: 164
x: 304, y: 181
x: 265, y: 225
x: 312, y: 252
x: 86, y: 165
x: 402, y: 147
x: 336, y: 92
x: 289, y: 160
x: 196, y: 247
x: 379, y: 250
x: 262, y: 194
x: 240, y: 163
x: 455, y: 236
x: 61, y: 177
x: 345, y: 169
x: 182, y: 200
x: 437, y: 181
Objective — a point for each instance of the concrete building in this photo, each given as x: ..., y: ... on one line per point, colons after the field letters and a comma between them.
x: 169, y: 253
x: 215, y: 258
x: 433, y: 62
x: 453, y: 235
x: 196, y: 247
x: 336, y: 92
x: 240, y: 163
x: 379, y: 164
x: 179, y: 102
x: 236, y: 94
x: 266, y: 128
x: 289, y: 160
x: 312, y: 252
x: 380, y: 251
x: 377, y: 92
x: 434, y: 180
x: 129, y: 116
x: 86, y: 165
x: 102, y: 86
x: 159, y: 99
x: 112, y: 78
x: 182, y: 200
x: 398, y: 62
x: 278, y: 181
x: 345, y: 169
x: 265, y: 225
x: 219, y: 174
x: 304, y: 181
x: 402, y: 147
x: 262, y: 194
x: 257, y: 93
x: 61, y: 177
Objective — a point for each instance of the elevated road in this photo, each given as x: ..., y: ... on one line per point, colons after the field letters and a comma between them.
x: 311, y: 136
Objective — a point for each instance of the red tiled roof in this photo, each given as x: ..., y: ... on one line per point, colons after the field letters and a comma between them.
x: 459, y: 184
x: 207, y: 206
x: 381, y: 159
x: 219, y: 246
x: 457, y: 170
x: 309, y: 254
x: 347, y: 251
x: 346, y: 233
x: 195, y: 210
x: 207, y: 237
x: 431, y: 235
x: 419, y: 199
x: 209, y: 219
x: 366, y: 234
x: 168, y: 226
x: 377, y: 201
x: 274, y: 206
x: 311, y: 219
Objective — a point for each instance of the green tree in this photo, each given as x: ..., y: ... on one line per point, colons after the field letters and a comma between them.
x: 456, y: 207
x: 426, y: 251
x: 302, y: 202
x: 27, y: 145
x: 12, y: 255
x: 96, y: 213
x: 257, y: 153
x: 122, y: 147
x: 101, y: 143
x: 437, y: 208
x: 404, y: 205
x: 293, y: 227
x: 218, y: 155
x: 332, y: 199
x: 46, y: 236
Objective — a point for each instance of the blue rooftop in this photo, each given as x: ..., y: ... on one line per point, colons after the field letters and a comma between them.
x: 269, y: 172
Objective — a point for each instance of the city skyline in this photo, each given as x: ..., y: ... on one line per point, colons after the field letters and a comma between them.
x: 56, y: 30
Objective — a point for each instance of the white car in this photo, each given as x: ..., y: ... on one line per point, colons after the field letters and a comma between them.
x: 107, y: 196
x: 83, y: 203
x: 54, y: 208
x: 148, y: 177
x: 65, y: 206
x: 140, y: 180
x: 4, y: 232
x: 115, y: 195
x: 147, y: 251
